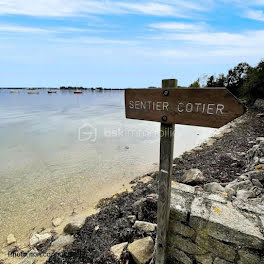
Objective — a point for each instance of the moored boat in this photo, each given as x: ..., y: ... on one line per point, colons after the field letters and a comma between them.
x: 78, y: 92
x: 33, y: 92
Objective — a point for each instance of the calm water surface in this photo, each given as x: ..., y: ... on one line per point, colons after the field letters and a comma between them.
x: 63, y: 151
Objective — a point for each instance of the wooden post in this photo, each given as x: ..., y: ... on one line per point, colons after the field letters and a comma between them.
x: 166, y: 160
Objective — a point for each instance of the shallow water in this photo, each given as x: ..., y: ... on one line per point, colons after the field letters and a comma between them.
x: 63, y: 151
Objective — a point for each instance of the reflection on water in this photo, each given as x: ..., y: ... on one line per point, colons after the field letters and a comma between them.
x: 63, y: 151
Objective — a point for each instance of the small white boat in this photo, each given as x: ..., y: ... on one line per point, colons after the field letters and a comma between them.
x: 33, y: 92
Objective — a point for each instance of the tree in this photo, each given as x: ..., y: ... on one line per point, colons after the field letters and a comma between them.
x: 196, y: 84
x: 236, y: 77
x: 219, y: 81
x: 253, y: 86
x: 211, y: 81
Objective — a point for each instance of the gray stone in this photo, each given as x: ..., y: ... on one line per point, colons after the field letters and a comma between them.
x: 183, y: 188
x: 216, y: 247
x: 61, y: 242
x: 259, y: 104
x: 245, y: 257
x: 259, y: 139
x: 204, y: 259
x: 214, y: 187
x: 181, y: 202
x: 258, y: 174
x: 145, y: 226
x: 10, y: 239
x: 193, y: 176
x: 185, y: 244
x: 175, y: 254
x: 75, y: 225
x: 257, y: 183
x: 221, y: 261
x: 177, y: 227
x: 138, y: 208
x: 153, y: 196
x: 56, y: 222
x: 228, y: 224
x: 39, y: 239
x: 240, y: 185
x: 141, y: 250
x: 245, y: 194
x: 230, y: 192
x: 118, y: 249
x: 132, y: 218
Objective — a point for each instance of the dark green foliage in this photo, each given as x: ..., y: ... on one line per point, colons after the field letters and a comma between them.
x: 216, y: 81
x: 243, y: 81
x: 196, y: 84
x: 236, y: 77
x: 253, y: 86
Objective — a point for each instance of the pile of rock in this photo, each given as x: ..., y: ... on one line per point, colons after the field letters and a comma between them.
x: 249, y: 185
x: 141, y: 250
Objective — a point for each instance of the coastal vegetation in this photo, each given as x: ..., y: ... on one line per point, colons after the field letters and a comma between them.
x: 244, y: 81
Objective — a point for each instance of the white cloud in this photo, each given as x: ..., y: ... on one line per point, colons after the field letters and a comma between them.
x: 176, y: 26
x: 255, y: 15
x: 80, y: 7
x: 20, y: 29
x: 217, y: 39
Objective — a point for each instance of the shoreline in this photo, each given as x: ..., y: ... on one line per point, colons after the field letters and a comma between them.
x: 111, y: 222
x: 131, y: 187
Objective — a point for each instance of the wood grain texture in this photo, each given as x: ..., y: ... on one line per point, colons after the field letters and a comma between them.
x: 166, y: 160
x: 183, y: 100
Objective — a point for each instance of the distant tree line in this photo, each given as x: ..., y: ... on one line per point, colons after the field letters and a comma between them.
x: 244, y: 81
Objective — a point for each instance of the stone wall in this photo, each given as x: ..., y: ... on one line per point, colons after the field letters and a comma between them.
x: 211, y: 228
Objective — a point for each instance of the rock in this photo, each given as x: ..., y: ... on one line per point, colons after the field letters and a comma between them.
x: 141, y: 250
x: 258, y: 174
x: 230, y: 192
x: 204, y: 259
x: 248, y: 258
x: 256, y: 190
x: 259, y: 104
x: 75, y: 225
x: 61, y: 242
x: 145, y: 226
x: 56, y: 222
x: 260, y: 115
x: 132, y: 218
x: 118, y: 249
x: 153, y: 196
x: 221, y: 261
x: 39, y: 239
x: 240, y: 185
x: 175, y: 254
x: 244, y: 194
x: 259, y: 139
x: 10, y: 239
x: 193, y: 176
x: 257, y: 183
x: 214, y: 187
x: 138, y: 208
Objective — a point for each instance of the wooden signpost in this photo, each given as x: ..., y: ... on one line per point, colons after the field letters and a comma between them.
x: 206, y: 107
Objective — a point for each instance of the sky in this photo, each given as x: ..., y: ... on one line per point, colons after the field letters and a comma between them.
x: 121, y: 44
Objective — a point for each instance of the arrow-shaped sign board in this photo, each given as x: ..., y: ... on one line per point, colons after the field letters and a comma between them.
x: 208, y: 107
